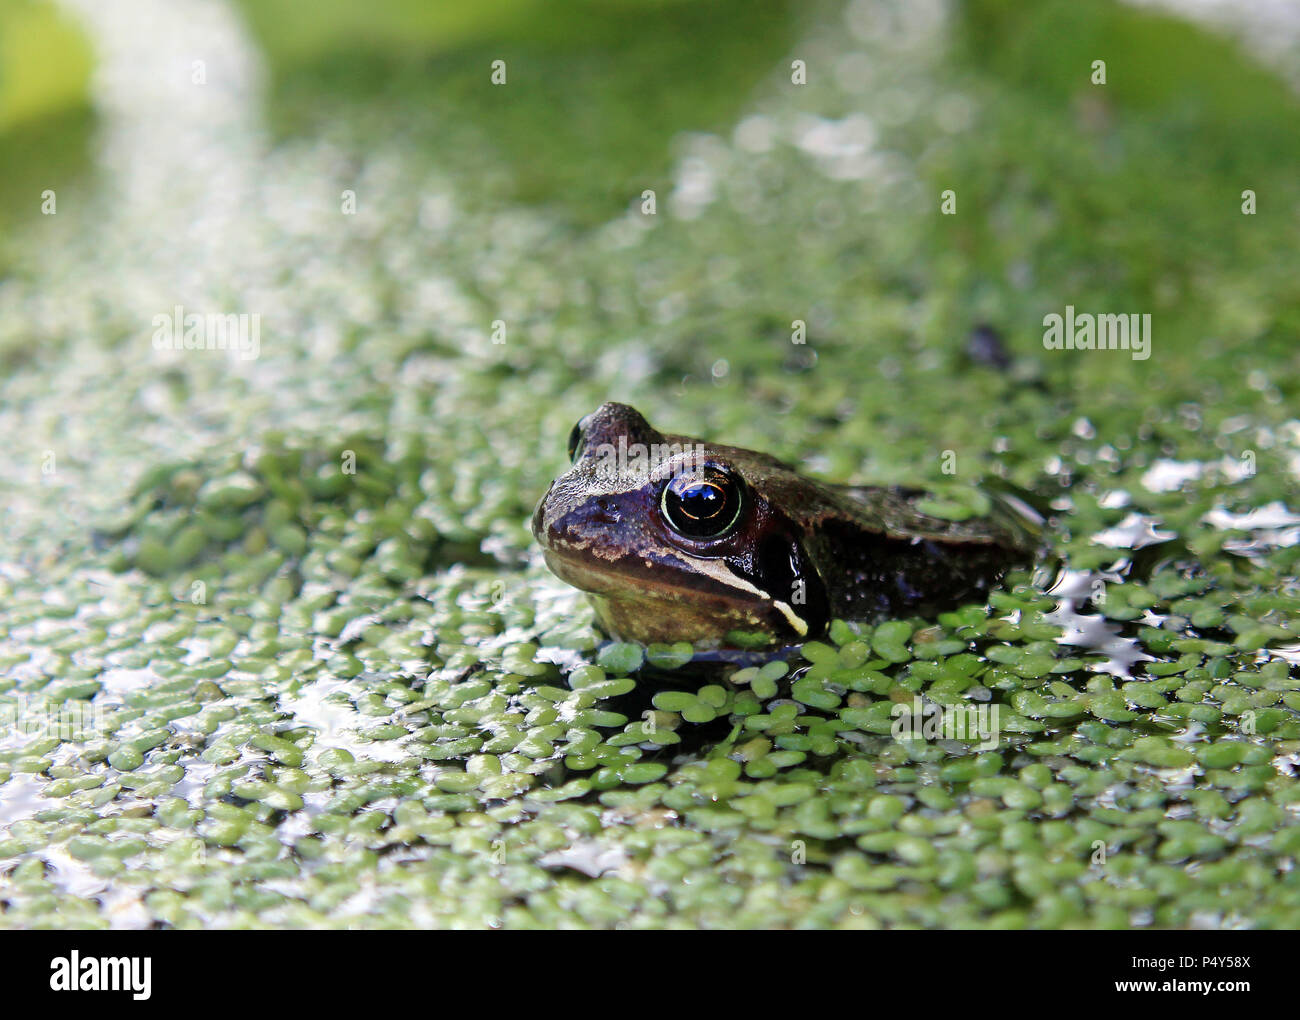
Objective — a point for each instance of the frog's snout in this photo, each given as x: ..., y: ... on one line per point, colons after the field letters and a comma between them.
x: 539, y: 515
x: 558, y: 526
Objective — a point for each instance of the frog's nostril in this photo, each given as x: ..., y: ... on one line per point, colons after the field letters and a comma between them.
x: 606, y: 512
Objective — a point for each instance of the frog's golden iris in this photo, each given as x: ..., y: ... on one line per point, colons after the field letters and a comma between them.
x: 702, y: 504
x: 716, y: 544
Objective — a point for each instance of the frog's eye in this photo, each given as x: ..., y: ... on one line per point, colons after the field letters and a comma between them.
x: 702, y: 504
x: 576, y: 439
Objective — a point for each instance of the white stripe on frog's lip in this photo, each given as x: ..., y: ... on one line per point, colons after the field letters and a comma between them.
x: 799, y: 624
x: 719, y: 571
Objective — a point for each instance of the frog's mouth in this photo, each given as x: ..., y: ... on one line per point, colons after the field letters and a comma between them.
x: 630, y: 577
x: 704, y: 601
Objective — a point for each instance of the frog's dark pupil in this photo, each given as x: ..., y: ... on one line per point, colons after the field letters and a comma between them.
x: 702, y: 507
x: 701, y: 502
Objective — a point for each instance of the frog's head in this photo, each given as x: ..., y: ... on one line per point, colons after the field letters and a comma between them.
x: 674, y: 539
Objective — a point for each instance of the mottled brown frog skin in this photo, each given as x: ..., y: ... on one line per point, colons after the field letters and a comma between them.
x: 743, y: 549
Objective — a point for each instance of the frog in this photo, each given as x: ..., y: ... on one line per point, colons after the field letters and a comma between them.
x: 676, y: 539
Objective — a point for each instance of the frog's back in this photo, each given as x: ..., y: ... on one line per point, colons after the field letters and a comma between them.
x: 882, y: 555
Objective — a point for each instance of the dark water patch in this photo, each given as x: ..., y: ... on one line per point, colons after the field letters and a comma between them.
x: 571, y: 126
